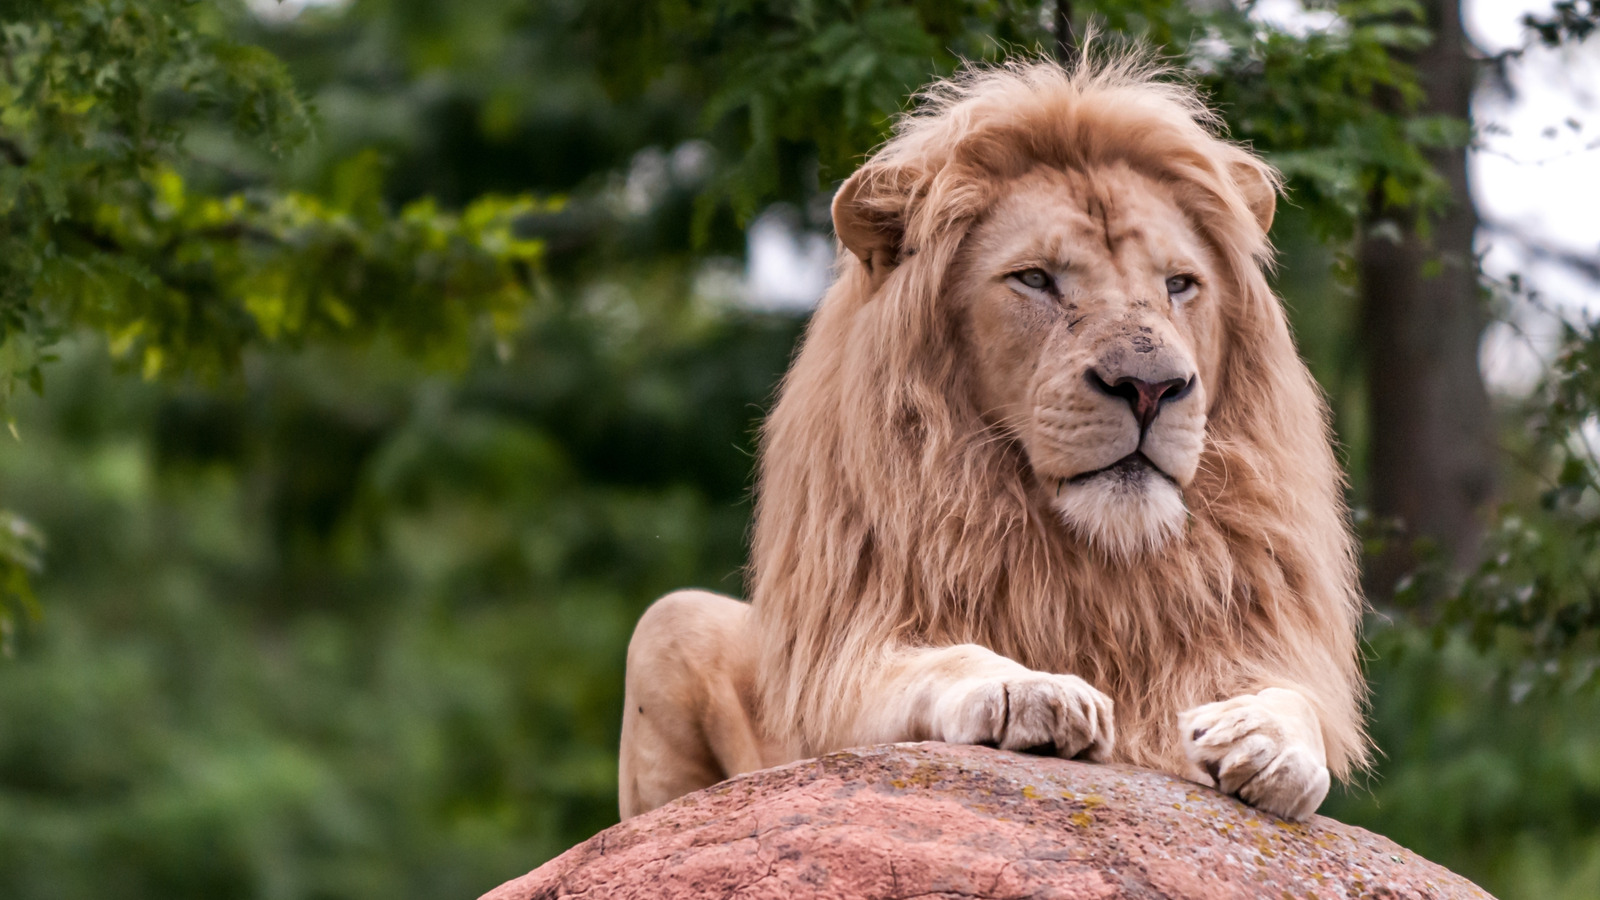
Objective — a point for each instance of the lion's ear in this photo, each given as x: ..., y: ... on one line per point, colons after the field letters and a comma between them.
x: 1259, y: 184
x: 867, y: 217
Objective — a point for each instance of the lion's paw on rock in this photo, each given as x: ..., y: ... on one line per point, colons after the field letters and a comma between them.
x: 1036, y: 712
x: 1265, y: 749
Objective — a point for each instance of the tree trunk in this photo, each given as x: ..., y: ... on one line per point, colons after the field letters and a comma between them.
x: 1066, y: 45
x: 1432, y: 463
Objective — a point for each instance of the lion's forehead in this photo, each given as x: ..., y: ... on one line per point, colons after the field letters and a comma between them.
x: 1104, y: 223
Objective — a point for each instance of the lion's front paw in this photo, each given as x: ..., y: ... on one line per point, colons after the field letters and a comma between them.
x: 1032, y: 711
x: 1264, y: 748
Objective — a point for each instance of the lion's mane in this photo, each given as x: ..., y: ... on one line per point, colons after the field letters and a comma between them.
x: 889, y: 512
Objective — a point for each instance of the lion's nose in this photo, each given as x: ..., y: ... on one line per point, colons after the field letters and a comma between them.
x: 1143, y: 397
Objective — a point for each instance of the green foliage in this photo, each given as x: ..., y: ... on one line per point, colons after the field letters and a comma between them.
x: 101, y: 230
x: 20, y: 547
x: 1504, y: 791
x: 1537, y: 594
x: 95, y: 96
x: 1331, y: 110
x: 785, y: 86
x: 236, y: 271
x: 351, y: 629
x: 782, y: 85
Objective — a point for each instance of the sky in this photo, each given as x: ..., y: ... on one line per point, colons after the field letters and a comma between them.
x: 1535, y: 166
x: 1535, y: 174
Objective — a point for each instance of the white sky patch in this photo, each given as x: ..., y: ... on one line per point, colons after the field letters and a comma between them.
x: 649, y: 178
x: 1537, y: 164
x: 286, y: 10
x: 1291, y: 16
x: 789, y: 267
x: 1496, y: 25
x: 1535, y: 173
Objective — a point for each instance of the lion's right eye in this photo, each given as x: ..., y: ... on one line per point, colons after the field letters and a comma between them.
x: 1038, y: 279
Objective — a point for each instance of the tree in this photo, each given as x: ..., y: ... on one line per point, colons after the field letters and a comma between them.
x: 1535, y: 594
x: 1433, y: 449
x: 106, y: 223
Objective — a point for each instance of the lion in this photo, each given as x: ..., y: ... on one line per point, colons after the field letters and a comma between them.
x: 1046, y: 474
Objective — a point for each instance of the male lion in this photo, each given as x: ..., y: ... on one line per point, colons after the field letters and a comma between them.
x: 1047, y: 473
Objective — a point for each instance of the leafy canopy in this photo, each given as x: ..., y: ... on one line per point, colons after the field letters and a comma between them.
x: 99, y: 226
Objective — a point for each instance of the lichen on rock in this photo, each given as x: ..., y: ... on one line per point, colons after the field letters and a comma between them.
x: 938, y: 820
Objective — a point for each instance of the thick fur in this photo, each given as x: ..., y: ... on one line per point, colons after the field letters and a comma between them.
x: 891, y: 517
x: 888, y: 513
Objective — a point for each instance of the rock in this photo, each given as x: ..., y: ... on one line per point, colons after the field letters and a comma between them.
x: 940, y: 820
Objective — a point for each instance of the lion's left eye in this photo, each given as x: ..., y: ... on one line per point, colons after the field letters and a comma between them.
x: 1038, y: 279
x: 1182, y: 287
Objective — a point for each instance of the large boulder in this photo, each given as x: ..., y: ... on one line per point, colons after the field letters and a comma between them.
x: 939, y: 820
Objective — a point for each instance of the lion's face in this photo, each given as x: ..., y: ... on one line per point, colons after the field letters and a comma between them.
x: 1089, y: 305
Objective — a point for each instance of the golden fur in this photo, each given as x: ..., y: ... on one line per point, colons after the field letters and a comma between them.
x: 892, y: 514
x: 886, y: 513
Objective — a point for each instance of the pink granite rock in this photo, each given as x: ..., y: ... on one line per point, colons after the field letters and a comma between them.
x: 936, y: 820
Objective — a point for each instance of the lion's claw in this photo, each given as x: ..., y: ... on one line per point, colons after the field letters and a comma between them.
x: 1264, y: 748
x: 1033, y: 712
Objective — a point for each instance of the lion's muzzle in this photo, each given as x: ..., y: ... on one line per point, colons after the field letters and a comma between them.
x: 1117, y: 442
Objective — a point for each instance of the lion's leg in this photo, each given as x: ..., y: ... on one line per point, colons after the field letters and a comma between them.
x: 688, y: 721
x: 967, y: 694
x: 1266, y: 748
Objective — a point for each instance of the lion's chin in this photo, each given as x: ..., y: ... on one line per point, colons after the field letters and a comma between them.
x: 1122, y: 513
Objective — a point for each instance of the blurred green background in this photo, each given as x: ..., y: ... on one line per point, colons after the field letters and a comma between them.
x: 339, y: 610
